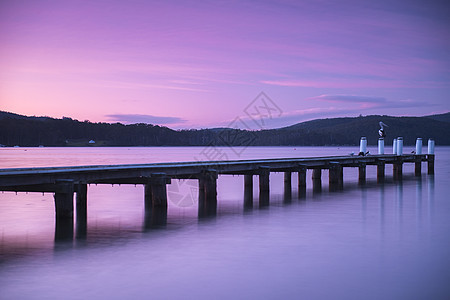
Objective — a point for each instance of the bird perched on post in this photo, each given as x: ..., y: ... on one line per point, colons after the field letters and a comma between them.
x: 381, y: 132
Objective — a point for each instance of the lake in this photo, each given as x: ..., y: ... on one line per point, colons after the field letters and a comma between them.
x: 377, y: 241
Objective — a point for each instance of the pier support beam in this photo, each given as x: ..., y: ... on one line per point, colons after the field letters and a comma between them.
x: 398, y: 168
x: 81, y: 210
x: 381, y: 166
x: 301, y: 181
x: 248, y: 190
x: 334, y: 178
x: 155, y: 218
x: 64, y: 190
x: 64, y: 199
x: 156, y: 191
x: 418, y: 165
x: 361, y: 173
x: 317, y: 180
x: 430, y: 161
x: 207, y: 194
x: 264, y: 191
x: 287, y: 186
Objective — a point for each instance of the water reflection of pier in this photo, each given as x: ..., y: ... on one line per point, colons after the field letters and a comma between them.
x: 64, y: 182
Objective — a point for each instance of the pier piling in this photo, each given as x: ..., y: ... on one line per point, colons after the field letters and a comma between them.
x: 64, y: 199
x: 207, y: 204
x: 317, y: 180
x: 361, y: 173
x: 264, y: 191
x: 248, y: 190
x: 381, y: 166
x: 81, y: 210
x: 430, y: 156
x: 334, y: 176
x: 301, y: 181
x: 287, y: 186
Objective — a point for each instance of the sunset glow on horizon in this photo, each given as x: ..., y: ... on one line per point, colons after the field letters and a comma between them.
x: 197, y: 64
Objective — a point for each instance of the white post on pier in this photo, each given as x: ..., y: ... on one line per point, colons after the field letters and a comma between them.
x: 419, y: 146
x: 363, y: 146
x: 394, y: 146
x: 399, y: 145
x: 430, y: 146
x: 380, y: 146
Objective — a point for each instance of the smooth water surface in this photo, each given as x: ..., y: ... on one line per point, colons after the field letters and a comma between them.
x: 378, y: 241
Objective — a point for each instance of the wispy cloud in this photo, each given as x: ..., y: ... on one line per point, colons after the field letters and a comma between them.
x: 369, y: 102
x: 150, y: 119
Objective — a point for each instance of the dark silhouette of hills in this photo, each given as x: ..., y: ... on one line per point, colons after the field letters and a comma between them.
x: 441, y: 117
x: 34, y: 131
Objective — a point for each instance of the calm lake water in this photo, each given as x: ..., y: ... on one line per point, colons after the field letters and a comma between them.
x: 389, y: 241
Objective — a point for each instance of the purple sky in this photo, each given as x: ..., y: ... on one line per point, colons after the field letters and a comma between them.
x: 202, y: 63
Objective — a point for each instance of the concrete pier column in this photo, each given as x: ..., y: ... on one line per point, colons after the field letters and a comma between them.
x: 430, y: 161
x: 418, y: 165
x: 64, y: 199
x: 264, y: 190
x: 287, y: 186
x: 81, y: 210
x: 361, y: 173
x: 394, y: 146
x: 317, y: 180
x: 301, y: 181
x: 381, y: 166
x: 207, y: 204
x: 155, y: 218
x: 398, y: 168
x: 148, y: 197
x: 248, y: 190
x: 430, y: 156
x: 64, y: 190
x: 334, y: 177
x: 156, y: 191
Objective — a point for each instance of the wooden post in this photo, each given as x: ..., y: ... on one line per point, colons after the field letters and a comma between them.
x: 317, y: 180
x: 264, y: 191
x: 334, y: 177
x: 287, y: 186
x: 362, y: 173
x: 430, y: 160
x: 207, y: 205
x: 381, y: 166
x: 301, y: 181
x: 248, y: 190
x: 81, y: 206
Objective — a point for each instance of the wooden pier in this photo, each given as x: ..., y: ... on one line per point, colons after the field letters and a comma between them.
x: 64, y: 182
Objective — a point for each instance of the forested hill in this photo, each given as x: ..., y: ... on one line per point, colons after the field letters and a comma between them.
x: 35, y: 131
